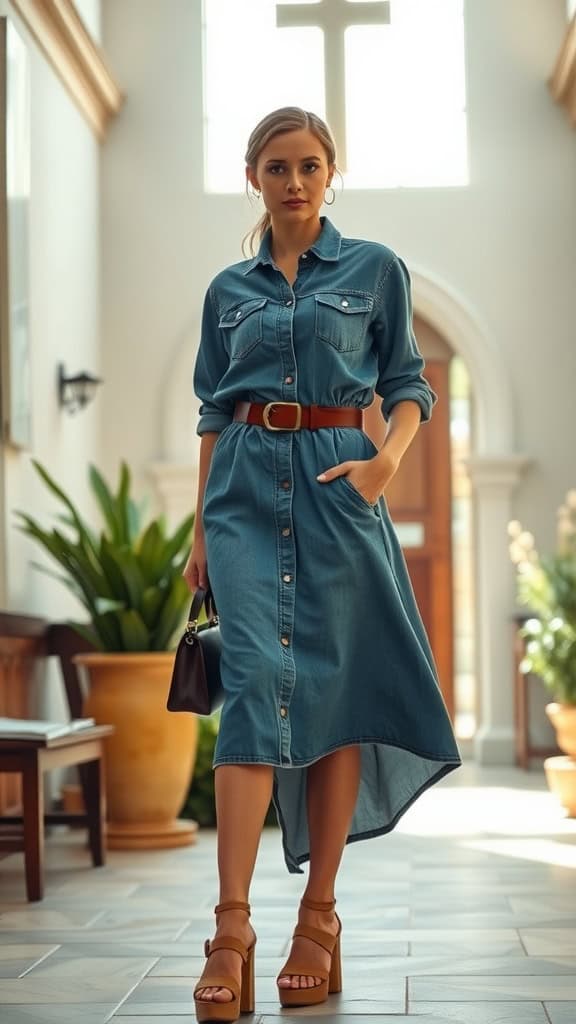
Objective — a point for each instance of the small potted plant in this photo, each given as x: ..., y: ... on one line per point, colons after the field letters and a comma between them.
x: 547, y: 585
x: 128, y: 577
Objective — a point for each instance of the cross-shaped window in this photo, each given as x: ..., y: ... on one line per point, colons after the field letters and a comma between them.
x: 387, y: 75
x: 334, y: 17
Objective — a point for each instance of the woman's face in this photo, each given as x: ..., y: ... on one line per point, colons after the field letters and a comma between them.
x: 293, y: 173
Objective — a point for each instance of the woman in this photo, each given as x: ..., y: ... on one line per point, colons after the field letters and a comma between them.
x: 333, y: 707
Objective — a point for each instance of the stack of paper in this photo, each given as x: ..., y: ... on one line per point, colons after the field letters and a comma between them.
x: 31, y: 729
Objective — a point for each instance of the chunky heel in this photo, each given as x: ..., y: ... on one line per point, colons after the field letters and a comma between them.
x: 335, y: 979
x: 331, y: 981
x: 247, y: 993
x: 242, y: 995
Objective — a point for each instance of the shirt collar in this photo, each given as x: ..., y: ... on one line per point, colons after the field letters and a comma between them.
x: 326, y: 246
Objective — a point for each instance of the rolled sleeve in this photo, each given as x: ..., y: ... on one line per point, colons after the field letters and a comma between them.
x: 211, y: 365
x: 400, y: 363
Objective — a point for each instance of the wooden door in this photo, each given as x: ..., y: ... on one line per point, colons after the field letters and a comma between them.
x: 420, y: 502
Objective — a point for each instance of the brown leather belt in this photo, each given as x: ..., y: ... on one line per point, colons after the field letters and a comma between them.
x: 293, y: 416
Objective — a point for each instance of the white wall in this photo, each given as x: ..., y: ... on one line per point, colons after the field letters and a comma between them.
x: 65, y: 326
x: 506, y: 244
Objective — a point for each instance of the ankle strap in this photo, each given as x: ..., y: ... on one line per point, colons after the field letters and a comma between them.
x: 232, y: 905
x: 316, y: 905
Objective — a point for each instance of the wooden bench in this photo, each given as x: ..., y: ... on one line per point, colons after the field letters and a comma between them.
x: 25, y: 641
x: 31, y: 758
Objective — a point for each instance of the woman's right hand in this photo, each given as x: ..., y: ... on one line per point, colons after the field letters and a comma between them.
x: 195, y: 571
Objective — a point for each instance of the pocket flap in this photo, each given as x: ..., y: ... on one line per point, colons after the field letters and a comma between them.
x: 240, y: 311
x: 345, y: 302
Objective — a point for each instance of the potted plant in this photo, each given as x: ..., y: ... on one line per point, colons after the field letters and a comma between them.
x: 128, y: 577
x: 547, y: 585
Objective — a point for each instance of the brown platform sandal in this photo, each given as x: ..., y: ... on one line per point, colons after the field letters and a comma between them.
x: 331, y: 981
x: 242, y: 996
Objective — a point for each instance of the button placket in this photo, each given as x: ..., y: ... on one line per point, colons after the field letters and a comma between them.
x: 283, y: 454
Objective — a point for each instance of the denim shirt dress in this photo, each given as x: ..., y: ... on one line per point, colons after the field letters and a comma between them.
x: 323, y: 643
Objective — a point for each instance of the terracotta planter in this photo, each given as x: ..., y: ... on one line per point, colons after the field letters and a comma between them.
x: 561, y: 771
x: 150, y: 758
x: 563, y: 718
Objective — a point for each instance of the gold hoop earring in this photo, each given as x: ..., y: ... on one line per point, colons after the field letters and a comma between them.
x: 329, y: 202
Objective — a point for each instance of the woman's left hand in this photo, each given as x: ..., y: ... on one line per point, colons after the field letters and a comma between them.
x: 369, y: 476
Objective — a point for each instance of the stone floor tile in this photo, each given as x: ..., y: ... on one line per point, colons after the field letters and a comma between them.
x: 114, y: 968
x: 468, y: 946
x: 480, y: 921
x: 561, y: 1012
x: 17, y: 958
x: 46, y: 919
x: 549, y: 941
x: 485, y: 988
x: 439, y: 964
x: 51, y: 989
x: 58, y: 1013
x: 154, y: 1013
x: 477, y: 1013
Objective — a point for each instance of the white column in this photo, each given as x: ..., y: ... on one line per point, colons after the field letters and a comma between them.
x: 494, y: 479
x: 176, y: 483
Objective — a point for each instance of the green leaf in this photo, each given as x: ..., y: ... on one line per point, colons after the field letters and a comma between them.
x: 150, y: 553
x: 171, y: 615
x: 132, y: 580
x: 114, y: 574
x: 122, y: 500
x: 105, y: 604
x: 109, y: 631
x: 107, y: 505
x: 151, y: 603
x: 182, y: 536
x: 83, y: 531
x: 135, y: 636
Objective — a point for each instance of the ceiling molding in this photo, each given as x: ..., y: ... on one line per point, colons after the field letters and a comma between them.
x: 562, y: 82
x: 79, y: 62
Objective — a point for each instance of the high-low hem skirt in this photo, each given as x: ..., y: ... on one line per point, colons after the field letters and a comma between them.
x: 323, y: 645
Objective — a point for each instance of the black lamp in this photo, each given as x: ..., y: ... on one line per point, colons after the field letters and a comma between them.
x: 76, y: 392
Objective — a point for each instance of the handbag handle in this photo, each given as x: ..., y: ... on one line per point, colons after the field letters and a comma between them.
x: 201, y: 597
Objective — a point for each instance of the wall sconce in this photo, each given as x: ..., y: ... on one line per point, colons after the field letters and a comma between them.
x: 76, y: 392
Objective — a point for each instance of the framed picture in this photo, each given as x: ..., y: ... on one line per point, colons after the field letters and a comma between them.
x: 15, y: 390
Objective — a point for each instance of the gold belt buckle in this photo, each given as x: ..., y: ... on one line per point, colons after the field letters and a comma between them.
x: 266, y: 415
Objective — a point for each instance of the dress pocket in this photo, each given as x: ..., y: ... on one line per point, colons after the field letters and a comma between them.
x: 243, y: 324
x: 355, y: 493
x: 341, y: 318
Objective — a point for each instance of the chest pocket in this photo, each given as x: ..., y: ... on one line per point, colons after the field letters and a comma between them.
x: 243, y: 324
x: 341, y: 318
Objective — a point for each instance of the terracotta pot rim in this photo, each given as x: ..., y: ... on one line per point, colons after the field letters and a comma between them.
x: 556, y: 705
x: 122, y: 657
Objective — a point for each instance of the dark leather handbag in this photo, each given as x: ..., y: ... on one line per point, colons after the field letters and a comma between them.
x: 196, y: 685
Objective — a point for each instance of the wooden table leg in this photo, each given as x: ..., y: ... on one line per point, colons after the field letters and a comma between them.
x: 33, y: 813
x: 92, y: 776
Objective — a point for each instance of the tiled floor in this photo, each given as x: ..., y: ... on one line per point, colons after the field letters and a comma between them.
x: 465, y: 913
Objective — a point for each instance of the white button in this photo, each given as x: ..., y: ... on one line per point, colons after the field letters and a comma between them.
x: 287, y: 578
x: 283, y: 712
x: 289, y: 302
x: 284, y: 641
x: 304, y: 255
x: 344, y: 302
x: 238, y: 314
x: 288, y: 380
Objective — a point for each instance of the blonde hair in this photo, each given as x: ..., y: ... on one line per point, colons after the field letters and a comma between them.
x: 285, y: 119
